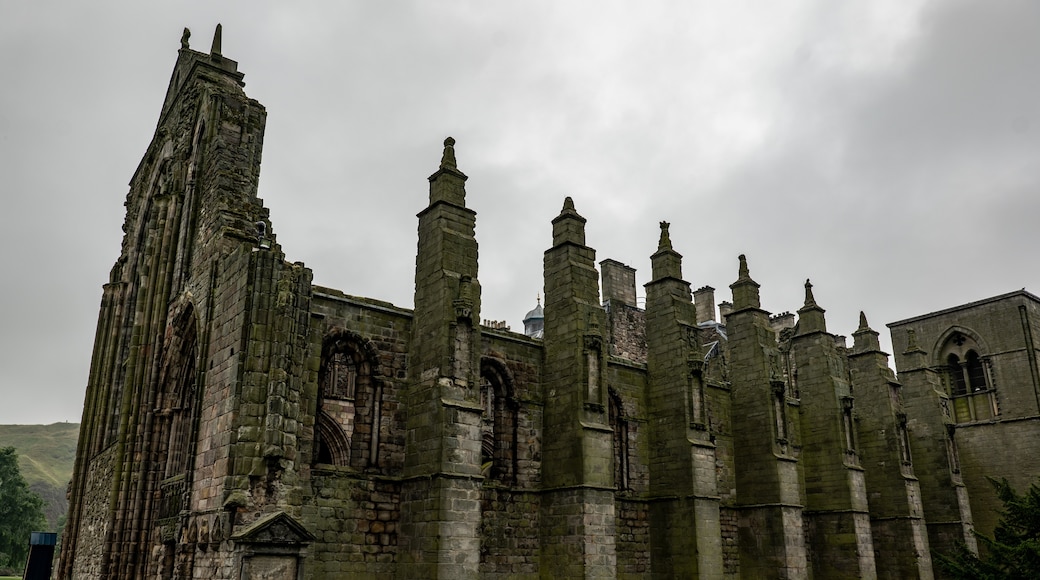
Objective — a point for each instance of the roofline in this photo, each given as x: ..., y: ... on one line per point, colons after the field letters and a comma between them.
x: 1023, y: 293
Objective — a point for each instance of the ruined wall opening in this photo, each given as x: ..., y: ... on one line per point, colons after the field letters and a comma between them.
x: 498, y: 422
x: 347, y: 419
x: 176, y: 411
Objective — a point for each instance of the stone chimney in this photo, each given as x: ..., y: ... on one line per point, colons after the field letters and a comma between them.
x: 619, y: 282
x: 704, y: 302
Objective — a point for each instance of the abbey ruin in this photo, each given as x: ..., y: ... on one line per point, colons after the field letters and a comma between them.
x: 242, y: 422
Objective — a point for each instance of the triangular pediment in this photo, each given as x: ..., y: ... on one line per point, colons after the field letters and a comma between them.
x: 274, y: 528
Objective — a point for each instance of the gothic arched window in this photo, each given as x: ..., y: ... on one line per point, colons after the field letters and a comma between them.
x: 347, y: 418
x: 498, y: 422
x: 956, y: 374
x: 968, y: 378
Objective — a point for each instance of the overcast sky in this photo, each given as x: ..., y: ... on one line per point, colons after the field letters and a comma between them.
x: 889, y: 150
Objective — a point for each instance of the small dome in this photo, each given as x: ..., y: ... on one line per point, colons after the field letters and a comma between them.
x: 534, y: 322
x: 536, y: 313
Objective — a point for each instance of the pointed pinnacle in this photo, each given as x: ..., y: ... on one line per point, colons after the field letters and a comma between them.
x: 448, y: 157
x: 863, y: 321
x: 809, y: 299
x: 215, y: 48
x: 665, y: 242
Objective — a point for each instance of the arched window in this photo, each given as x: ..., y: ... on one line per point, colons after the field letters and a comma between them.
x: 976, y: 374
x: 968, y: 379
x: 956, y: 374
x: 175, y: 412
x: 333, y: 445
x: 498, y: 422
x: 178, y: 394
x: 347, y: 419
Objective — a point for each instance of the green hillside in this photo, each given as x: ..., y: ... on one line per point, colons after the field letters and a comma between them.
x: 46, y: 455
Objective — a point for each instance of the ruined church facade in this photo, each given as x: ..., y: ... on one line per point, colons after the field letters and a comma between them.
x: 243, y: 422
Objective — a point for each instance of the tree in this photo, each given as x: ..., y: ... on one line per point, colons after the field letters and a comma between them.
x: 21, y: 512
x: 1013, y: 552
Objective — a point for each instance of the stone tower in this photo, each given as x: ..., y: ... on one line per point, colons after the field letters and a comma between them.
x: 770, y: 496
x: 192, y: 414
x: 577, y: 455
x: 931, y: 431
x: 685, y: 536
x: 440, y: 507
x: 837, y: 522
x: 896, y: 512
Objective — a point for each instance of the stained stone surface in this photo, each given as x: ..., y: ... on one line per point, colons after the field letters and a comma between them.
x: 242, y: 422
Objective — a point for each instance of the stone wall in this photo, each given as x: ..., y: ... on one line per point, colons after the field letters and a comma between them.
x: 354, y: 519
x: 93, y: 523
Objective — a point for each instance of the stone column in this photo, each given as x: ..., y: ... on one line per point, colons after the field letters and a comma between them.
x: 440, y: 496
x: 577, y: 512
x: 769, y: 496
x: 685, y: 534
x: 896, y: 513
x: 838, y: 524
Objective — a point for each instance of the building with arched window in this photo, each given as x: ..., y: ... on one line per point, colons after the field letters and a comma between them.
x: 241, y: 421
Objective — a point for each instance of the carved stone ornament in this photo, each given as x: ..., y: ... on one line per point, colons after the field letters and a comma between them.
x: 274, y: 528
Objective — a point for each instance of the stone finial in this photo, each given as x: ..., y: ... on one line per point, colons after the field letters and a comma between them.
x: 810, y: 316
x: 215, y: 48
x: 569, y: 226
x: 742, y: 272
x: 184, y: 38
x: 866, y: 339
x: 745, y: 290
x: 448, y: 157
x: 666, y: 241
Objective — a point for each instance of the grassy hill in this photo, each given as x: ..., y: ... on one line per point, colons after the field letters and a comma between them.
x: 46, y: 455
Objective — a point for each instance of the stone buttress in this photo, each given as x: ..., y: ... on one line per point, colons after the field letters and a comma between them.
x: 837, y: 520
x: 946, y: 504
x: 768, y: 482
x: 577, y: 512
x: 896, y: 513
x: 440, y: 496
x: 685, y: 534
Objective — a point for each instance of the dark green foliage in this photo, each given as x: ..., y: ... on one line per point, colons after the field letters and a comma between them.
x: 21, y: 512
x: 46, y: 455
x: 1014, y: 551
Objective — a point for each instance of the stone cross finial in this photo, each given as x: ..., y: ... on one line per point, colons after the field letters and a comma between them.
x: 215, y: 47
x: 184, y: 38
x: 448, y: 158
x: 666, y: 241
